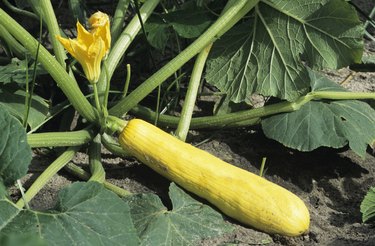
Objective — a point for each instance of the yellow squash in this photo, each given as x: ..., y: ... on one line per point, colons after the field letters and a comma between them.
x: 238, y: 193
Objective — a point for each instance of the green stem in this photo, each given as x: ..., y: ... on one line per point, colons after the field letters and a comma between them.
x: 342, y: 95
x: 20, y: 11
x: 262, y: 165
x: 252, y: 116
x: 51, y: 170
x: 67, y: 84
x: 191, y: 94
x: 15, y: 47
x: 60, y: 139
x: 96, y: 97
x: 123, y: 42
x: 96, y: 167
x: 118, y: 18
x: 82, y: 174
x: 30, y: 90
x: 127, y: 81
x: 113, y: 146
x: 49, y: 18
x: 237, y: 9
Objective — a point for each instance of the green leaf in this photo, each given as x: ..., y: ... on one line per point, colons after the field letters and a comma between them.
x: 190, y: 21
x: 15, y: 153
x: 78, y: 9
x: 368, y: 206
x: 157, y: 32
x: 16, y: 72
x: 188, y: 222
x: 14, y: 102
x: 266, y: 53
x: 320, y: 123
x: 86, y: 214
x: 18, y: 239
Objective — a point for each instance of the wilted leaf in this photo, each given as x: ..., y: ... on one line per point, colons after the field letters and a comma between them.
x: 265, y: 54
x: 188, y: 222
x: 15, y: 153
x: 86, y: 214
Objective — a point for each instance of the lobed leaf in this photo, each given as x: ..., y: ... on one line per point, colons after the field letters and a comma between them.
x: 188, y: 222
x: 86, y: 214
x: 324, y: 123
x: 15, y: 153
x: 266, y: 53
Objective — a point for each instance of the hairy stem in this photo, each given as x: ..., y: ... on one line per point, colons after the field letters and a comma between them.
x: 191, y: 94
x: 51, y: 170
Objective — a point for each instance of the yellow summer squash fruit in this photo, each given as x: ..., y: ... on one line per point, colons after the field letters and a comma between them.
x: 238, y: 193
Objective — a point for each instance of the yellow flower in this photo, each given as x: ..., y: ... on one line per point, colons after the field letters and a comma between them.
x: 89, y: 48
x: 99, y: 23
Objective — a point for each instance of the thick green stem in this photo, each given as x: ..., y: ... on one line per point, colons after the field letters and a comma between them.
x: 67, y: 84
x: 123, y: 42
x: 252, y: 116
x: 14, y: 45
x: 237, y: 9
x: 96, y: 168
x: 191, y: 94
x: 51, y: 170
x: 60, y: 139
x: 118, y: 18
x: 113, y: 146
x: 49, y: 18
x: 82, y: 174
x: 342, y: 95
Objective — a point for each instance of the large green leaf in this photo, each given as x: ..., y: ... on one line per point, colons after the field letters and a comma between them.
x: 368, y: 206
x: 188, y: 222
x: 15, y: 153
x: 266, y: 53
x: 324, y: 123
x: 85, y: 214
x: 14, y: 102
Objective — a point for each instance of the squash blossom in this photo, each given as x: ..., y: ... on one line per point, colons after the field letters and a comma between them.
x: 90, y: 47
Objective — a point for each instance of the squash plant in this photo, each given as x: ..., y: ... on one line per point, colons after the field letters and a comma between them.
x: 242, y: 47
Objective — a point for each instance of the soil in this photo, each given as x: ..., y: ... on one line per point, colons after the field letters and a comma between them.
x: 332, y: 182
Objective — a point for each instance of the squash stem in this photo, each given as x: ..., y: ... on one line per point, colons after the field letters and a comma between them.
x: 251, y: 116
x: 51, y: 170
x: 122, y: 43
x: 237, y: 9
x: 95, y: 164
x: 118, y: 18
x: 60, y: 139
x: 82, y: 174
x: 262, y: 165
x: 49, y: 18
x: 113, y: 146
x: 191, y: 94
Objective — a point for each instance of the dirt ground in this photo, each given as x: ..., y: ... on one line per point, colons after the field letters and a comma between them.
x: 331, y: 182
